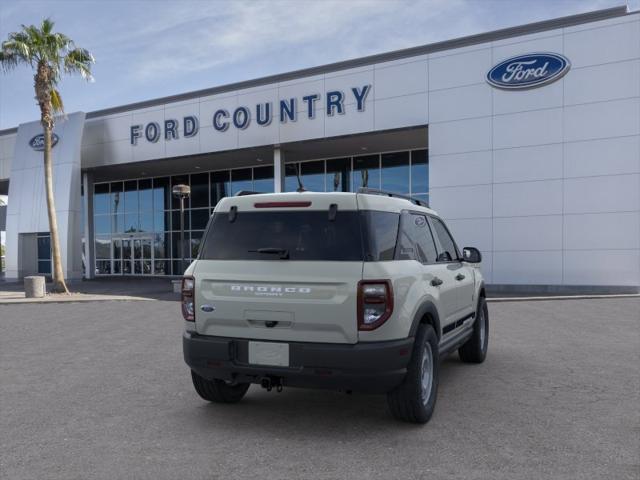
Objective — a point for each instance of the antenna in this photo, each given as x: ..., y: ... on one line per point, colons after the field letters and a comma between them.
x: 300, y: 185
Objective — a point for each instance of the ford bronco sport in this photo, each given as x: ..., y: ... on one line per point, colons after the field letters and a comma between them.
x: 351, y: 291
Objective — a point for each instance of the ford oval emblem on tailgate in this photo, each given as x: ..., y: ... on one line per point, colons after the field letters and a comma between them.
x: 207, y: 308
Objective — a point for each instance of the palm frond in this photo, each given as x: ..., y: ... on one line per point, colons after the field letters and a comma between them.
x: 56, y: 101
x: 52, y: 53
x: 8, y: 60
x: 79, y: 60
x: 47, y: 26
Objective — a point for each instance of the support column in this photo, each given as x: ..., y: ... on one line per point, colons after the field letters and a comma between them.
x: 278, y: 170
x: 87, y: 212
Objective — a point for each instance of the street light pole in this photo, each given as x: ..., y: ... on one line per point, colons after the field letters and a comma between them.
x: 182, y: 192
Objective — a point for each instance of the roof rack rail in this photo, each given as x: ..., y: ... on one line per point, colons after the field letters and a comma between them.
x: 374, y: 191
x: 242, y: 193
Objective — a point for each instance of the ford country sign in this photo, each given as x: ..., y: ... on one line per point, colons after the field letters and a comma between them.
x: 528, y: 71
x: 37, y: 142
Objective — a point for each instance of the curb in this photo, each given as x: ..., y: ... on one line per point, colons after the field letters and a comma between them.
x: 105, y: 298
x: 561, y: 297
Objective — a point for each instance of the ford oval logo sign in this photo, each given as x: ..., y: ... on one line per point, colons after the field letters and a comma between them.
x: 37, y: 142
x: 528, y: 71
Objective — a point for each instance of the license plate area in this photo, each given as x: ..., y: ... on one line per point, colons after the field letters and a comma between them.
x: 269, y: 353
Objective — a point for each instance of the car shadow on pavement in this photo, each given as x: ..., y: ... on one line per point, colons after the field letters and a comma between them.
x: 318, y: 413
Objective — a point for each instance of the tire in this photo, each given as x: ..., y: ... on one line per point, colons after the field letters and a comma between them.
x: 218, y: 391
x: 414, y: 400
x: 475, y: 349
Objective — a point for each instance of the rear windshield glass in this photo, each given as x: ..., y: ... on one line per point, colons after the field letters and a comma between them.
x: 290, y: 235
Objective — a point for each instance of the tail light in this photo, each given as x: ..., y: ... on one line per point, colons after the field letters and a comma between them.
x: 188, y: 299
x: 375, y: 303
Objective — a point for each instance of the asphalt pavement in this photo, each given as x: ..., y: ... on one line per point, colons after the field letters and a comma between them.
x: 100, y: 391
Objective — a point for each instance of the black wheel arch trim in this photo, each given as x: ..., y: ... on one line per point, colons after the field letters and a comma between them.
x: 427, y: 308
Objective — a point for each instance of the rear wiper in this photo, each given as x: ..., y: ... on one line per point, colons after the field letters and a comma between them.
x: 283, y: 252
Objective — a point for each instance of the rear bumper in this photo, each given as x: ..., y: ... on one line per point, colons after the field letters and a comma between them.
x: 375, y: 367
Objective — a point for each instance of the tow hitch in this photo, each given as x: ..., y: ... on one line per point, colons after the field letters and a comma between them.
x: 269, y: 383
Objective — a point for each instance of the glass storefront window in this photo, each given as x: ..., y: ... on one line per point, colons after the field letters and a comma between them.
x: 102, y: 224
x: 103, y: 267
x: 146, y: 221
x: 161, y: 194
x: 179, y: 180
x: 291, y: 171
x: 421, y: 196
x: 313, y: 176
x: 199, y: 218
x: 200, y: 190
x: 419, y: 171
x: 131, y: 223
x: 263, y: 179
x: 338, y: 175
x: 103, y: 247
x: 117, y: 248
x: 175, y: 220
x: 161, y: 267
x: 175, y: 245
x: 366, y: 172
x: 220, y: 186
x: 144, y: 211
x: 117, y: 223
x: 179, y: 267
x: 196, y: 238
x: 101, y: 198
x: 160, y: 245
x: 117, y: 199
x: 131, y: 196
x: 161, y: 221
x: 395, y: 172
x: 145, y: 195
x: 241, y: 179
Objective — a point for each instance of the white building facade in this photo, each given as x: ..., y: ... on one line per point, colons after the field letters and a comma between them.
x: 526, y: 140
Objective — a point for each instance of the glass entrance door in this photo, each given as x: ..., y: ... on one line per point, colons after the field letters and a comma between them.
x: 133, y: 256
x: 142, y: 261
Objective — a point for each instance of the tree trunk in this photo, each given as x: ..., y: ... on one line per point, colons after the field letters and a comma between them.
x: 43, y: 95
x: 59, y: 284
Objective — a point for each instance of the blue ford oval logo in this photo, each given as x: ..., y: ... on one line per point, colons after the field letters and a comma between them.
x: 528, y: 71
x: 37, y: 142
x: 207, y: 308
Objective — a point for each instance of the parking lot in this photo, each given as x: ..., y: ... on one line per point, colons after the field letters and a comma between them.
x: 100, y: 390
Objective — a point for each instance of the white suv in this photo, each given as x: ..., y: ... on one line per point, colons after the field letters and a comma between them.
x: 352, y: 291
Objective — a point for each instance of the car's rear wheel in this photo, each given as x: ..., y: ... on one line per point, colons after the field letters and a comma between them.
x: 218, y: 391
x: 475, y: 349
x: 415, y: 399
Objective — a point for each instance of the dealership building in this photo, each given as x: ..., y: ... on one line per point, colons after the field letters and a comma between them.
x: 526, y: 140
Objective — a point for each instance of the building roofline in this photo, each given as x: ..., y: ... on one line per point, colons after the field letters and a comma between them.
x: 459, y: 42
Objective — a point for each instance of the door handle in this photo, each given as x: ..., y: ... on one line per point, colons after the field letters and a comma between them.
x: 460, y: 277
x: 436, y: 281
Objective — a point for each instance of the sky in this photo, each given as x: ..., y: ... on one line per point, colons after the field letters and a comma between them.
x: 153, y: 48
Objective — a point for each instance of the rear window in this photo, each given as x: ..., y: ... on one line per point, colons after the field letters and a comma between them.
x: 293, y: 235
x: 352, y: 236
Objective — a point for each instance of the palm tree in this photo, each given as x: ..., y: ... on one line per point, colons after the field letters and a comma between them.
x: 50, y: 55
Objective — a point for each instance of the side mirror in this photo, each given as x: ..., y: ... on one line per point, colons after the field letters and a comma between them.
x: 471, y: 255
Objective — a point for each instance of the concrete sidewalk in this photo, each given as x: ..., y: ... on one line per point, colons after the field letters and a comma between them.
x: 104, y: 289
